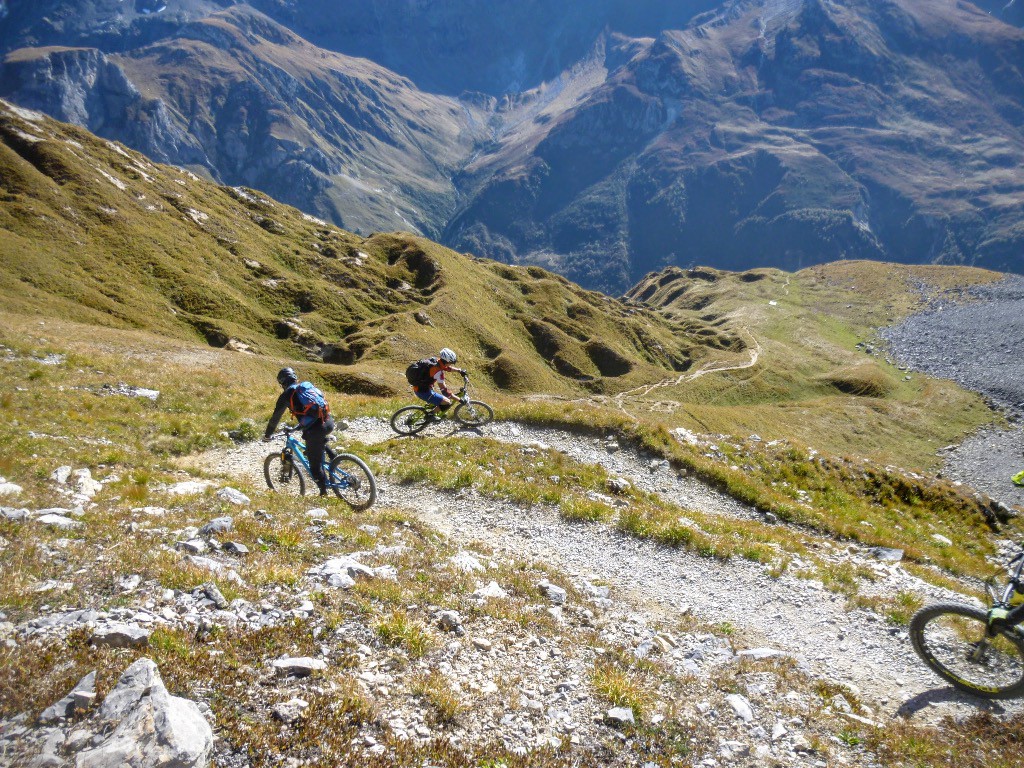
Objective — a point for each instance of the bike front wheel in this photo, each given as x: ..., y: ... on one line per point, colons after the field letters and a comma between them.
x: 352, y: 481
x: 409, y: 420
x: 473, y: 413
x: 283, y: 476
x: 953, y: 640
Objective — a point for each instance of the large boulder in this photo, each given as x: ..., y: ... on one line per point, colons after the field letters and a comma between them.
x: 146, y: 726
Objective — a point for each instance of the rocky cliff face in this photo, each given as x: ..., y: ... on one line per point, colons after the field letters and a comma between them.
x: 777, y: 133
x: 242, y: 100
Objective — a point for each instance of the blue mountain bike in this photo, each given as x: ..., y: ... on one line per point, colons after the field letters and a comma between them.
x: 286, y: 471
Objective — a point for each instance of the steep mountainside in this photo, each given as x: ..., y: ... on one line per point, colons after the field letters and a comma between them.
x: 601, y: 140
x: 776, y: 133
x: 96, y: 234
x: 238, y: 98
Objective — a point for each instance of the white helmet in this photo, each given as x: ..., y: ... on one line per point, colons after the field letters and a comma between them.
x: 447, y: 356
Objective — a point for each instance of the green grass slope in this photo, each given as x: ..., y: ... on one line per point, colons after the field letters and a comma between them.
x: 820, y: 376
x: 92, y: 233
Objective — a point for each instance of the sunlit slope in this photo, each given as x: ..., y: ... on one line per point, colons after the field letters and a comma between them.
x: 812, y: 369
x: 94, y: 233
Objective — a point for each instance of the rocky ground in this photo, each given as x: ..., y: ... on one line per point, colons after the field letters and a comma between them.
x: 791, y: 615
x: 975, y: 341
x: 526, y: 671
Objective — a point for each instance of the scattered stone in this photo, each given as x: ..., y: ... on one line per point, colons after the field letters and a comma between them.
x: 9, y: 489
x: 340, y: 581
x: 618, y: 485
x: 758, y: 654
x: 219, y: 524
x: 14, y: 515
x: 233, y: 496
x: 482, y: 644
x: 552, y: 592
x: 940, y: 539
x: 85, y: 485
x: 740, y: 706
x: 235, y: 548
x: 214, y: 594
x: 289, y: 712
x: 619, y: 716
x: 59, y: 521
x: 387, y: 572
x: 143, y: 725
x: 301, y: 666
x: 192, y: 546
x: 346, y: 566
x: 61, y: 475
x: 120, y: 636
x: 450, y: 621
x: 130, y: 583
x: 466, y: 563
x: 492, y: 590
x: 886, y: 554
x: 66, y: 707
x: 189, y: 488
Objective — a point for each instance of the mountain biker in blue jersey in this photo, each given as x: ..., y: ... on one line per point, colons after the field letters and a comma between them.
x: 445, y: 361
x: 308, y: 406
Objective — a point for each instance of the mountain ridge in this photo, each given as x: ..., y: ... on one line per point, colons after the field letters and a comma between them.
x: 755, y: 133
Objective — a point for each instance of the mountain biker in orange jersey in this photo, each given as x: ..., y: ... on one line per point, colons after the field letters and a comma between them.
x: 443, y: 399
x: 315, y: 420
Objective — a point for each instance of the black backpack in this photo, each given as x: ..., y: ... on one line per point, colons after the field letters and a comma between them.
x: 418, y: 373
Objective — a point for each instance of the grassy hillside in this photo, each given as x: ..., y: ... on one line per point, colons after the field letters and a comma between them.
x: 96, y: 234
x: 821, y: 377
x: 117, y: 274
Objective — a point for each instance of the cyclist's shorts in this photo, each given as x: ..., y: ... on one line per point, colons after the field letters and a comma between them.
x: 431, y: 396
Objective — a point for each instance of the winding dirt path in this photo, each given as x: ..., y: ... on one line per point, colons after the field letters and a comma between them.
x: 790, y: 614
x: 646, y: 389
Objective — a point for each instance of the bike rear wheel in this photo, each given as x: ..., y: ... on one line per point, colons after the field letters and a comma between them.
x: 473, y: 413
x: 953, y: 640
x: 409, y: 420
x: 284, y: 476
x: 352, y: 481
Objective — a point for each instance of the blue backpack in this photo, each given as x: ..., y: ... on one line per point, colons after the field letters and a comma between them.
x: 308, y: 404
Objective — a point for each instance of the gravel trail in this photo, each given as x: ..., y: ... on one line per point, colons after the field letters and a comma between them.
x: 793, y: 615
x: 976, y: 343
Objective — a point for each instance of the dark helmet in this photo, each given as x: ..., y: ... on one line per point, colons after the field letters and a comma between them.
x: 286, y: 377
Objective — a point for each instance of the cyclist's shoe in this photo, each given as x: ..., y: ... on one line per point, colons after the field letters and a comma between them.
x: 430, y: 417
x: 1018, y: 479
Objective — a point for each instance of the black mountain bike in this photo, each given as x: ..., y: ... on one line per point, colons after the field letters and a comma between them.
x: 469, y: 413
x: 347, y: 475
x: 979, y: 651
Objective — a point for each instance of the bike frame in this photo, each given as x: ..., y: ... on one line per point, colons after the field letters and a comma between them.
x: 1000, y: 614
x: 297, y: 448
x: 461, y: 396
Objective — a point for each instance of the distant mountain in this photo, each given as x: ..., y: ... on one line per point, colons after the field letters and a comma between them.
x: 780, y: 133
x: 237, y: 98
x: 599, y: 138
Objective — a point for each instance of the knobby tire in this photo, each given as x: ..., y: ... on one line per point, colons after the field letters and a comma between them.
x: 283, y: 479
x: 352, y: 481
x: 409, y: 420
x: 473, y: 414
x: 951, y: 639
